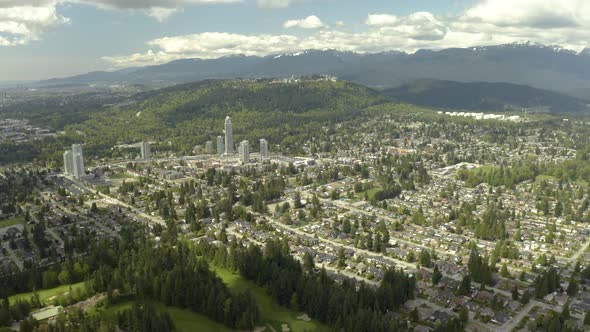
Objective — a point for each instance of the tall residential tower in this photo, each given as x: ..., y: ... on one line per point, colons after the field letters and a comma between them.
x: 146, y: 151
x: 245, y: 152
x: 229, y: 143
x: 263, y: 148
x: 78, y: 161
x: 68, y: 163
x: 220, y: 145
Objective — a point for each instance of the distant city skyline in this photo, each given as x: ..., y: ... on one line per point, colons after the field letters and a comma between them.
x: 42, y: 39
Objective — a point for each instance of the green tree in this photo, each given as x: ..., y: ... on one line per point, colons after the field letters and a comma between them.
x: 465, y: 285
x: 464, y: 314
x: 436, y: 275
x: 341, y: 258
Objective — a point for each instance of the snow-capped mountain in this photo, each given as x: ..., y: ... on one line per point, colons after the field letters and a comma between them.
x: 547, y: 67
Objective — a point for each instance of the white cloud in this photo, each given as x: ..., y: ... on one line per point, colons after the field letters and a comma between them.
x: 310, y: 22
x: 216, y: 44
x: 162, y: 14
x: 22, y: 24
x: 23, y: 21
x: 532, y: 13
x: 138, y: 59
x: 419, y: 26
x: 381, y: 19
x: 274, y: 3
x: 118, y: 4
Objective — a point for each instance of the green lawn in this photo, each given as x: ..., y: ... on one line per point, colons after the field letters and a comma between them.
x: 270, y: 312
x: 185, y: 320
x: 12, y: 221
x: 370, y: 193
x: 46, y: 294
x: 121, y: 176
x: 543, y: 177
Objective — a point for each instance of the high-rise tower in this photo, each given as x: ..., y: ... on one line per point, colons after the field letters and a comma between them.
x: 68, y: 163
x: 263, y: 148
x: 220, y: 145
x: 146, y: 151
x: 78, y: 161
x: 229, y: 143
x: 209, y: 147
x: 245, y: 152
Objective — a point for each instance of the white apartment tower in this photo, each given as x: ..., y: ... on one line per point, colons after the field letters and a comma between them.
x: 263, y: 148
x: 78, y: 161
x: 245, y: 152
x: 229, y: 143
x: 68, y: 163
x: 220, y: 145
x: 146, y: 151
x: 209, y: 147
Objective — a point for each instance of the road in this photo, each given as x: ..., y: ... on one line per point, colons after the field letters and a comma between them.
x: 349, y: 207
x: 12, y: 256
x: 579, y: 253
x: 55, y: 236
x: 395, y: 261
x: 115, y: 201
x: 135, y: 210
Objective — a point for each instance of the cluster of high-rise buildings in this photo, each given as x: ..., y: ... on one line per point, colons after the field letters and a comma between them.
x: 74, y: 162
x: 225, y: 145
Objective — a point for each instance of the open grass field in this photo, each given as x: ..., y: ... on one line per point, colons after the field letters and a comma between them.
x: 12, y: 221
x: 46, y: 294
x: 270, y: 311
x: 185, y: 320
x: 121, y: 176
x: 543, y: 177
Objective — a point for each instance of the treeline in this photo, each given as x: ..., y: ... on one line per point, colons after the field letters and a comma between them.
x: 499, y: 176
x: 570, y: 170
x: 175, y: 276
x: 141, y: 317
x: 303, y: 288
x: 144, y: 318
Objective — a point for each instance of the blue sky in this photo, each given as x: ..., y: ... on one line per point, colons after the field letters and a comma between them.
x: 52, y: 38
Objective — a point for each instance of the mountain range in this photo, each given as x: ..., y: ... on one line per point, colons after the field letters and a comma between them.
x: 544, y: 67
x: 484, y: 96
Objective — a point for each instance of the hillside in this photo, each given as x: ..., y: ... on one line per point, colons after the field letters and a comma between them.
x: 190, y: 114
x: 484, y: 96
x: 525, y: 64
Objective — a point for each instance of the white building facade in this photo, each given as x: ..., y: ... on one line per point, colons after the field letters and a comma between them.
x: 229, y: 143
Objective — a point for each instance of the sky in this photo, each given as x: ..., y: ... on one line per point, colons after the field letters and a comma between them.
x: 42, y: 39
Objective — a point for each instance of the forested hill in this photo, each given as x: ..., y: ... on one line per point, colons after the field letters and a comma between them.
x: 190, y: 114
x: 483, y: 96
